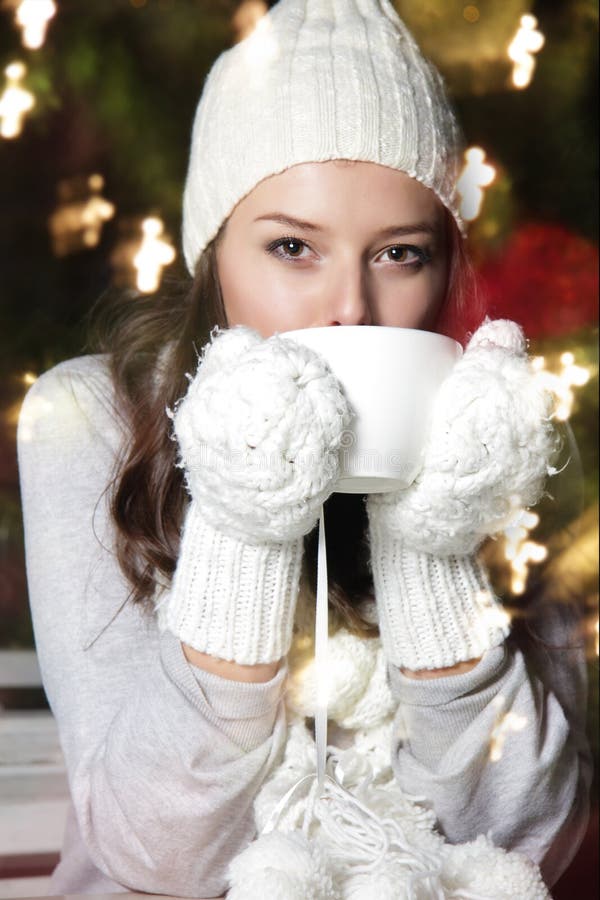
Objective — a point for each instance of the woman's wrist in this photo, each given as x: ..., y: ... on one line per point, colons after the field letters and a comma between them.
x: 232, y: 671
x: 457, y: 669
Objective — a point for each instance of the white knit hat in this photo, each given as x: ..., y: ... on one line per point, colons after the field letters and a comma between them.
x: 316, y: 80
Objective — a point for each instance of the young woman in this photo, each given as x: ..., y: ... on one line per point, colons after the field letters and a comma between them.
x: 165, y: 564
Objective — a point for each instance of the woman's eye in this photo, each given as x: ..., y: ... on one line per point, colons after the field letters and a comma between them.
x: 287, y: 248
x: 407, y: 255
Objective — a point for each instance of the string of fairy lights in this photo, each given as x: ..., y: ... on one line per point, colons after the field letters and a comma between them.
x: 76, y: 223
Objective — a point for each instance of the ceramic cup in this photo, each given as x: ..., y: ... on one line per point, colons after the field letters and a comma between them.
x: 390, y: 377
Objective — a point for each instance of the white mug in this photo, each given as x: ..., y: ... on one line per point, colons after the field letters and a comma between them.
x: 390, y: 377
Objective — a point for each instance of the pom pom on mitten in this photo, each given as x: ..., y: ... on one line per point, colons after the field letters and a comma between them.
x: 258, y: 431
x: 280, y: 866
x: 488, y: 453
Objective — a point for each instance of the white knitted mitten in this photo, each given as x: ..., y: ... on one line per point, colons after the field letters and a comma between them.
x: 259, y: 431
x: 487, y: 456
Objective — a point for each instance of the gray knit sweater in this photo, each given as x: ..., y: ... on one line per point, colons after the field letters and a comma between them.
x: 165, y: 760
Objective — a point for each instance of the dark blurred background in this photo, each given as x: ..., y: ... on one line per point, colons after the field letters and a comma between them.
x: 114, y: 85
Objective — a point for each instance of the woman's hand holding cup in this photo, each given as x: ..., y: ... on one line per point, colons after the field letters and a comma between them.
x: 487, y: 456
x: 259, y: 431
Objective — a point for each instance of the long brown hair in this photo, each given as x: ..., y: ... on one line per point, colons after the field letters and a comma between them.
x: 152, y: 341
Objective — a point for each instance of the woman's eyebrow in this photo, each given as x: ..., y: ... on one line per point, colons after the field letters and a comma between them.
x: 413, y: 228
x: 282, y: 219
x: 291, y: 222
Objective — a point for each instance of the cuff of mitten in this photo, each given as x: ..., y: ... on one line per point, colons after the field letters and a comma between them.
x: 434, y: 611
x: 232, y: 599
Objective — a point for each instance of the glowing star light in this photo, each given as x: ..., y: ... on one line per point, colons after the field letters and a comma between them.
x: 152, y: 256
x: 527, y: 41
x: 14, y: 102
x: 247, y: 16
x: 561, y: 383
x: 95, y: 212
x: 519, y: 550
x: 32, y: 17
x: 260, y: 48
x: 77, y: 222
x: 475, y: 175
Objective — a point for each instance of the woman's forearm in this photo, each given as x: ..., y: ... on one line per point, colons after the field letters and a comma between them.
x: 265, y: 672
x: 230, y: 670
x: 460, y: 667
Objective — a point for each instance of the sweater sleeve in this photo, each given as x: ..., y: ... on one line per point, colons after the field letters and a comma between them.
x: 164, y: 761
x: 502, y: 749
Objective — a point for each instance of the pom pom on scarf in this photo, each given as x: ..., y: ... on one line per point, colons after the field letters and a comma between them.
x: 375, y: 841
x: 390, y: 882
x: 279, y: 866
x: 358, y: 694
x: 480, y: 869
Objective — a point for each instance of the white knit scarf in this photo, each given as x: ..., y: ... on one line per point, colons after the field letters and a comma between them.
x: 333, y: 823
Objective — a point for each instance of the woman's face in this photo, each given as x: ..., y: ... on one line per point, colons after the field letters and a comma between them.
x: 334, y: 243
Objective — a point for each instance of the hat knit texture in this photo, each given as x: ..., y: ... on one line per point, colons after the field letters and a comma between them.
x: 488, y: 452
x: 259, y: 431
x: 316, y: 80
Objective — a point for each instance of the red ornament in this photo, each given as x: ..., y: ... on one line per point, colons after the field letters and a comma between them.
x: 546, y: 279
